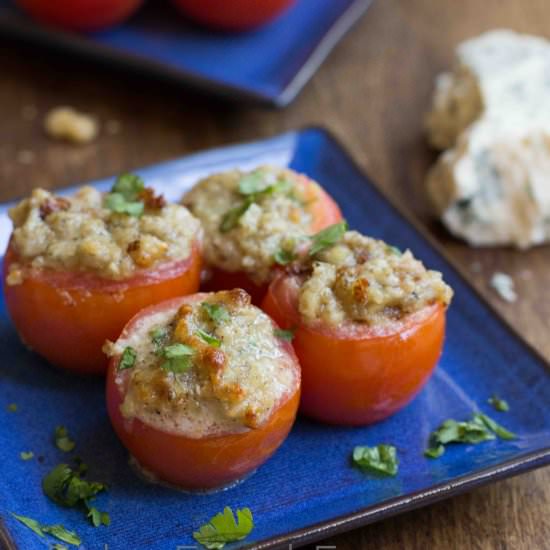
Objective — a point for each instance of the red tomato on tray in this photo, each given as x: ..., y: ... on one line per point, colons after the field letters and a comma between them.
x: 188, y: 460
x: 66, y: 317
x: 80, y: 15
x: 352, y: 375
x: 232, y: 15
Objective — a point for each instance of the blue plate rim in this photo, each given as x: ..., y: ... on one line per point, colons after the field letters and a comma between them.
x: 411, y: 501
x: 80, y: 45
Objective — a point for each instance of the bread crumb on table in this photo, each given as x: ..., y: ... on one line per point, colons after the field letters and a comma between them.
x: 66, y: 123
x: 503, y: 284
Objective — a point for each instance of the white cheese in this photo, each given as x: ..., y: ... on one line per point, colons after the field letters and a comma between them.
x: 492, y: 187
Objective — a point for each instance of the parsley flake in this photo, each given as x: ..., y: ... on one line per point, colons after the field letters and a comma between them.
x: 327, y: 237
x: 129, y: 186
x: 284, y: 334
x: 178, y: 358
x: 98, y: 518
x: 26, y: 455
x: 216, y: 312
x: 159, y: 336
x: 62, y: 439
x: 223, y: 528
x: 495, y: 427
x: 381, y: 459
x: 124, y: 195
x: 117, y: 203
x: 12, y: 407
x: 231, y: 217
x: 498, y: 404
x: 208, y: 338
x: 32, y: 524
x: 284, y: 257
x: 127, y: 359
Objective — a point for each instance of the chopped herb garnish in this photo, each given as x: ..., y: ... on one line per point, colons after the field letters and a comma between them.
x: 98, y: 518
x: 66, y: 487
x: 252, y: 183
x: 26, y: 455
x: 216, y: 312
x: 57, y: 531
x: 12, y: 407
x: 327, y: 237
x: 394, y: 250
x: 231, y: 217
x: 159, y: 336
x: 62, y: 439
x: 284, y: 334
x: 480, y: 428
x: 223, y: 528
x: 58, y: 546
x: 499, y: 430
x: 124, y: 195
x: 178, y: 358
x: 117, y: 203
x: 208, y: 338
x: 284, y: 257
x: 498, y: 404
x: 381, y: 459
x: 128, y: 358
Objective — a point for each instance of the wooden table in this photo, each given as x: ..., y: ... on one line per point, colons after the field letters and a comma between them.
x: 372, y: 92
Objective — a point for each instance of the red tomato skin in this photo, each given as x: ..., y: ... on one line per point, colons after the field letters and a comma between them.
x: 206, y: 463
x: 80, y: 15
x: 356, y: 381
x: 234, y: 15
x: 324, y: 211
x: 66, y: 317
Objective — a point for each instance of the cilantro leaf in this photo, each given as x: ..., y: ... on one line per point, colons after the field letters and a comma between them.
x: 26, y: 455
x: 381, y: 459
x: 59, y: 532
x: 231, y: 217
x: 223, y: 528
x: 499, y: 430
x: 12, y: 407
x: 62, y: 439
x: 117, y: 203
x: 159, y: 336
x: 178, y: 358
x: 58, y: 546
x: 208, y: 338
x: 129, y: 186
x: 216, y: 312
x: 66, y: 487
x: 284, y: 334
x: 98, y: 518
x: 127, y: 359
x: 32, y: 524
x: 327, y: 237
x: 498, y: 404
x: 284, y: 257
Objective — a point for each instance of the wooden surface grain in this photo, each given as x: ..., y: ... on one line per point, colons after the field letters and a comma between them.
x: 372, y: 93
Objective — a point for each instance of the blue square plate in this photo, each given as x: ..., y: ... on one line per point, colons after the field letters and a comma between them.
x: 308, y: 490
x: 269, y: 65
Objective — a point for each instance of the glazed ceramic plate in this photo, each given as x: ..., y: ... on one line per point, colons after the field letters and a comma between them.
x: 269, y: 65
x: 309, y: 489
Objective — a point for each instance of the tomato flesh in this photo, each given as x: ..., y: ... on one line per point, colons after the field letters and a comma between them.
x: 204, y: 463
x: 361, y: 377
x: 66, y: 317
x: 233, y: 15
x: 80, y: 15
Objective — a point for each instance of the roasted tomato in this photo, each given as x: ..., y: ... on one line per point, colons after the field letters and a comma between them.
x: 66, y: 317
x: 324, y: 211
x: 195, y: 462
x: 355, y: 375
x: 236, y: 15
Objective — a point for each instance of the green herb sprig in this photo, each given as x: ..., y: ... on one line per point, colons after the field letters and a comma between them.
x: 327, y: 237
x: 57, y: 530
x: 381, y: 459
x: 224, y: 528
x: 124, y: 195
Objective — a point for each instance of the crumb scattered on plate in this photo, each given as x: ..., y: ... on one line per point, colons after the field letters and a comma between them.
x: 504, y: 286
x: 68, y: 124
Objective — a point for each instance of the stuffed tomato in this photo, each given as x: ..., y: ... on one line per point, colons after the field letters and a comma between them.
x: 368, y: 322
x: 77, y: 268
x: 201, y: 390
x: 256, y: 222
